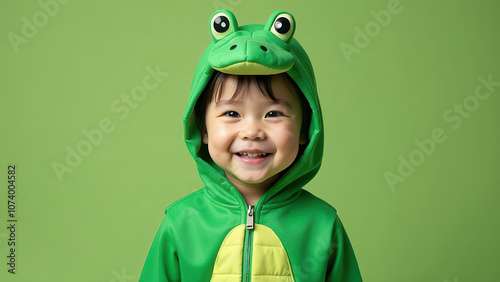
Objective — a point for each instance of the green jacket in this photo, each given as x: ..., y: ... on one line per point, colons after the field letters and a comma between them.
x: 289, y: 235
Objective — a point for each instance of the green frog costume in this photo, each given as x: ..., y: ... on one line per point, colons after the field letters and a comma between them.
x: 289, y: 235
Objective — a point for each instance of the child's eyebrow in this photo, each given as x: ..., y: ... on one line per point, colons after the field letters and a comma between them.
x: 282, y: 102
x: 222, y: 103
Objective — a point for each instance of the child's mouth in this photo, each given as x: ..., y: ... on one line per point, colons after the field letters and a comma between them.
x: 252, y: 155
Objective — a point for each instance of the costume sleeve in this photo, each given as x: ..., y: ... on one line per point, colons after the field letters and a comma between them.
x: 342, y: 265
x: 162, y: 262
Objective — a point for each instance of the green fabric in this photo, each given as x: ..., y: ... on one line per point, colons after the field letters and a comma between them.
x: 194, y: 227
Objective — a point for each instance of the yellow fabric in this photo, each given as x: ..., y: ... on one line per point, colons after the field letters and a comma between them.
x: 269, y: 258
x: 229, y: 261
x: 250, y: 68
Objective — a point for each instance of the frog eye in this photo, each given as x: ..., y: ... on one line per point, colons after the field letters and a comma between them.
x: 283, y: 25
x: 222, y: 23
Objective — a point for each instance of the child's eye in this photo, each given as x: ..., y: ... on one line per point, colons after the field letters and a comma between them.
x: 275, y: 114
x: 231, y: 114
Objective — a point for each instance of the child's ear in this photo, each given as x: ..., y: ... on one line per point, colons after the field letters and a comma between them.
x: 205, y: 138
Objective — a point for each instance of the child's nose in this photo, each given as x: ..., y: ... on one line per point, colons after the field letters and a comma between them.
x: 252, y: 131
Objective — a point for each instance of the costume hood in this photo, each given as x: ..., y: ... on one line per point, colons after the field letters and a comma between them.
x: 261, y: 50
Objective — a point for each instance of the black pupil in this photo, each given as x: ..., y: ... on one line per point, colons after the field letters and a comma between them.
x: 221, y: 24
x: 282, y: 25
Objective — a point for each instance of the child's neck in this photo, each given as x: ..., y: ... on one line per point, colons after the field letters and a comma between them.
x: 251, y: 192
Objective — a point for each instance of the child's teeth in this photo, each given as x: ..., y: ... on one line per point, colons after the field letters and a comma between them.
x: 253, y: 155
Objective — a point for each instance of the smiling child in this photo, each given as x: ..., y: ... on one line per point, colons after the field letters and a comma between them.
x: 253, y: 125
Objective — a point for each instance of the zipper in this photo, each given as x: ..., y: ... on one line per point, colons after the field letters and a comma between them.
x: 247, y: 248
x: 250, y: 219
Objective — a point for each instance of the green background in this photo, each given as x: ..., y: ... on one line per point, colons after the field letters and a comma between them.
x: 97, y: 223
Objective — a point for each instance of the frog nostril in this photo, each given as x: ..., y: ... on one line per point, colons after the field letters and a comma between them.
x: 263, y: 48
x: 232, y: 47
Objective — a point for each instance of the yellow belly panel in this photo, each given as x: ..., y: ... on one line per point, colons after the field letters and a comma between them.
x: 269, y: 258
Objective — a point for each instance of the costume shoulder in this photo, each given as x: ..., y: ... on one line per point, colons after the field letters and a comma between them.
x: 182, y: 202
x: 319, y: 204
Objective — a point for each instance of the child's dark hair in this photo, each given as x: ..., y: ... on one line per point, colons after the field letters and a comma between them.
x: 213, y: 90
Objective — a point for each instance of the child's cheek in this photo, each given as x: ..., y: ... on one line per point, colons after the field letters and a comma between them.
x: 222, y: 136
x: 287, y: 132
x: 224, y: 132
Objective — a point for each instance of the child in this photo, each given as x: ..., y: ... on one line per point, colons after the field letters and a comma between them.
x: 253, y: 125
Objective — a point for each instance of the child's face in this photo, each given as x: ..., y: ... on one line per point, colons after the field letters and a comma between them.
x: 254, y: 138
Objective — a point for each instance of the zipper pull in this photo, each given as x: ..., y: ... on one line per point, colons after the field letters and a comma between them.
x: 250, y: 218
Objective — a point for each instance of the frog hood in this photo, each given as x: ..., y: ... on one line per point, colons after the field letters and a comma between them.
x: 255, y: 50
